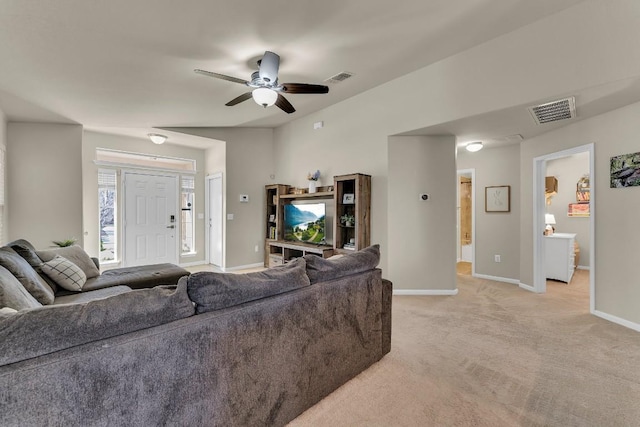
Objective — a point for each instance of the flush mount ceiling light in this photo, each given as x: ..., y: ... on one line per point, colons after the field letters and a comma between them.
x: 264, y: 96
x: 474, y: 146
x: 156, y: 138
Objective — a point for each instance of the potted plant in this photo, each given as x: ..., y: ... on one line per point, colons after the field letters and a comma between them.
x: 313, y: 178
x: 347, y: 220
x: 65, y: 243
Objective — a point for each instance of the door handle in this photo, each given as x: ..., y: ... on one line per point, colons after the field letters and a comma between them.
x: 171, y: 226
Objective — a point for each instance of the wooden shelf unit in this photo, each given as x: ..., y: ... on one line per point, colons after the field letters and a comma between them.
x: 282, y: 252
x: 278, y: 251
x: 273, y: 215
x: 358, y: 236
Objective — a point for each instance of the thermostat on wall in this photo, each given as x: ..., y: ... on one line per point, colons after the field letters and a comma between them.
x: 244, y: 198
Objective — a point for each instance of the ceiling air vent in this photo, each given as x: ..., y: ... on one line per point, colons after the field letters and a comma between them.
x: 554, y: 111
x: 340, y: 77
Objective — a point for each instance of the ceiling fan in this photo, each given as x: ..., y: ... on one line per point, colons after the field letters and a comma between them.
x: 266, y: 88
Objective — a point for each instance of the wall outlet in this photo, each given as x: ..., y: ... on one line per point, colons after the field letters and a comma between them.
x: 496, y: 258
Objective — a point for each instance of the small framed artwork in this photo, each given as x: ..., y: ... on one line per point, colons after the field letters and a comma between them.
x: 578, y: 210
x: 497, y: 198
x: 625, y: 170
x: 348, y: 199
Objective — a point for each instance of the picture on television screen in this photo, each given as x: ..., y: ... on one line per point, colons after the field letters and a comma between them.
x: 305, y: 223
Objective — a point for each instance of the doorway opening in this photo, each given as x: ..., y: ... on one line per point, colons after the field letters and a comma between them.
x: 569, y: 226
x: 215, y: 224
x: 466, y: 222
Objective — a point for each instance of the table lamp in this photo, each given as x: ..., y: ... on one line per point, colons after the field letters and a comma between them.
x: 550, y: 220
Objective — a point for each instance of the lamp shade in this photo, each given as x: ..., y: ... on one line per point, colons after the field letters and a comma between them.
x: 549, y: 219
x: 474, y: 146
x: 156, y: 138
x: 264, y: 96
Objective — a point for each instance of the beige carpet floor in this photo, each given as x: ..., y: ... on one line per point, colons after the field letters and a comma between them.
x: 495, y: 355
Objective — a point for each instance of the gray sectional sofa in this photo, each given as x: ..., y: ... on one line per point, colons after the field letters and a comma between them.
x: 215, y: 350
x: 22, y: 261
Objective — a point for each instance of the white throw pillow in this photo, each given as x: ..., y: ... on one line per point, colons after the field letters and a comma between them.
x: 65, y: 273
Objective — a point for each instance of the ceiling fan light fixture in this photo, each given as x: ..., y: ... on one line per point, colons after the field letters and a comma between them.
x: 474, y: 146
x: 156, y: 138
x: 264, y: 96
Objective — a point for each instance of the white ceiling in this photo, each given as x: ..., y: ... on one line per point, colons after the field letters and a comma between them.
x: 128, y: 65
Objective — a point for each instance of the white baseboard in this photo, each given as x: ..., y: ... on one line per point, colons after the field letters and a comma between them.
x: 497, y: 279
x: 193, y: 264
x: 617, y: 320
x: 527, y: 287
x: 243, y: 267
x: 583, y: 267
x: 425, y: 292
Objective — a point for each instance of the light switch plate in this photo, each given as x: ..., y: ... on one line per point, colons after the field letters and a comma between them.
x: 230, y: 217
x: 244, y: 198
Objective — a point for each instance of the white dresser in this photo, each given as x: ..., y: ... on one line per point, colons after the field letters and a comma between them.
x: 559, y: 253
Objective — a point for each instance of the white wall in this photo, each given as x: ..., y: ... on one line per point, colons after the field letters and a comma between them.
x: 422, y: 239
x: 568, y: 170
x: 93, y: 140
x: 497, y: 233
x: 44, y: 178
x: 248, y: 166
x: 617, y: 292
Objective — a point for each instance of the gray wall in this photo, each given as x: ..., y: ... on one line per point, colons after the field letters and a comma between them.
x: 44, y: 174
x: 248, y: 165
x: 5, y: 216
x: 568, y: 171
x: 422, y: 250
x: 497, y: 233
x: 615, y: 209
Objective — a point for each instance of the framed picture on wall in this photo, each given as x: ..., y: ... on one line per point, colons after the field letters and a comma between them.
x: 497, y: 198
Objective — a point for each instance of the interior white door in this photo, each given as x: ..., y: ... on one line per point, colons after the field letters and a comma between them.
x: 151, y: 220
x: 215, y: 220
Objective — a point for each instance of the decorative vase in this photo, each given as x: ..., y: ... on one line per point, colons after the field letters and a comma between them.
x: 312, y: 186
x: 348, y: 224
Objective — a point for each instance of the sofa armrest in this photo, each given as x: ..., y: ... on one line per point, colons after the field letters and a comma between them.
x: 96, y: 261
x: 387, y: 293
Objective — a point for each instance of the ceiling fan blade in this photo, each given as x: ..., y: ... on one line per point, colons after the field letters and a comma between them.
x: 221, y: 76
x: 239, y: 99
x: 269, y: 65
x: 304, y: 88
x: 284, y: 105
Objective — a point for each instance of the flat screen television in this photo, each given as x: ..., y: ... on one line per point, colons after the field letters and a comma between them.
x: 305, y: 223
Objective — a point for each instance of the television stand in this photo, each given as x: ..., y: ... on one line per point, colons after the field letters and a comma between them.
x: 282, y: 251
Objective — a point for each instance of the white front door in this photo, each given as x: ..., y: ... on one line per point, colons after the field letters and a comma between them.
x: 150, y: 219
x: 215, y: 220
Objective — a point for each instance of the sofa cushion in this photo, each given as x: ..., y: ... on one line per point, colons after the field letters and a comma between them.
x: 31, y: 281
x: 13, y: 294
x: 81, y: 297
x: 139, y: 277
x: 65, y: 273
x: 34, y: 332
x: 76, y: 255
x: 213, y: 291
x: 322, y: 270
x: 28, y: 252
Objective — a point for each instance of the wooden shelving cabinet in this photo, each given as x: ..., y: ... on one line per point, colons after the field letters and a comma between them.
x: 346, y: 238
x: 273, y: 215
x: 352, y: 196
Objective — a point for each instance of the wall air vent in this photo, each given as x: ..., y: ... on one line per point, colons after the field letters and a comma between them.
x: 554, y: 111
x: 340, y: 77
